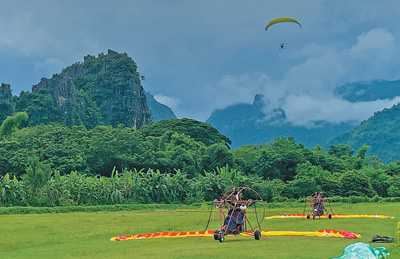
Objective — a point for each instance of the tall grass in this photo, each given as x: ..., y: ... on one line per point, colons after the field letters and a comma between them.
x: 131, y: 186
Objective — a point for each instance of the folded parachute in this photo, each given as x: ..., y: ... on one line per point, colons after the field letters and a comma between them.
x: 210, y: 233
x: 338, y: 216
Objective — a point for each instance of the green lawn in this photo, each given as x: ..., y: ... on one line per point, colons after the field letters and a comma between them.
x: 72, y: 235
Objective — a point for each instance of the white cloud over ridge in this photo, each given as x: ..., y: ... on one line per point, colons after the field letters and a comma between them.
x: 307, y: 91
x: 171, y: 102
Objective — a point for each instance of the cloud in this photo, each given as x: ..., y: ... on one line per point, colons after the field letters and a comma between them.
x: 228, y: 90
x: 18, y: 31
x: 374, y: 55
x: 171, y: 102
x: 204, y: 55
x: 306, y: 92
x: 305, y: 110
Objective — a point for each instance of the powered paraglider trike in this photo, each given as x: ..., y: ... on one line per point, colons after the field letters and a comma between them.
x: 318, y: 202
x: 234, y: 210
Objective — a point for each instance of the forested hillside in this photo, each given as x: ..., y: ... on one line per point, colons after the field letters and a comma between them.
x: 84, y: 137
x: 381, y: 133
x: 173, y: 161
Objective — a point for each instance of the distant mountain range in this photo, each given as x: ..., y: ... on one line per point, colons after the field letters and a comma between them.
x: 159, y: 111
x: 107, y: 90
x: 248, y: 124
x: 381, y: 132
x: 369, y: 91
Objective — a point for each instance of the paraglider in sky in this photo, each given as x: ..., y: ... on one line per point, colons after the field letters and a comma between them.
x: 279, y: 20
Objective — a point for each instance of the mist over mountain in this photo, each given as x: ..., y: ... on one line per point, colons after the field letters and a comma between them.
x: 369, y: 91
x: 249, y: 124
x: 259, y: 123
x: 107, y: 90
x: 159, y: 111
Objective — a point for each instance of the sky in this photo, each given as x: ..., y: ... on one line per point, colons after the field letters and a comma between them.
x: 201, y: 55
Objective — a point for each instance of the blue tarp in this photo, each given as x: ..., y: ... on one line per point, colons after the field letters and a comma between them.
x: 364, y: 251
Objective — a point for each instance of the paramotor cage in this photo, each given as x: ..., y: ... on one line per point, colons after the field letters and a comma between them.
x: 318, y: 201
x: 233, y: 209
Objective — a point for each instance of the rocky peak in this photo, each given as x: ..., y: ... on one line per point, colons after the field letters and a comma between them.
x: 104, y: 90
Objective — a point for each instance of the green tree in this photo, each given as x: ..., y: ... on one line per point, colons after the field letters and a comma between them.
x: 36, y: 177
x: 11, y: 123
x: 245, y: 157
x: 301, y: 187
x: 41, y: 107
x: 340, y: 150
x: 37, y: 173
x: 216, y: 155
x: 394, y: 189
x: 393, y: 168
x: 6, y: 104
x: 279, y: 159
x: 199, y: 131
x: 378, y: 178
x: 355, y: 183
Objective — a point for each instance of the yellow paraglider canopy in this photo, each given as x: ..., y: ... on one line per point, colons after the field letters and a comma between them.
x: 281, y: 19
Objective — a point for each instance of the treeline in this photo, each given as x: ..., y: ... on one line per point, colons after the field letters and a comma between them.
x: 39, y: 188
x: 174, y: 161
x: 188, y: 145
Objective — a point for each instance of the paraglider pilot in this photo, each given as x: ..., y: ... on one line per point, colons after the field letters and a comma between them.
x: 234, y: 221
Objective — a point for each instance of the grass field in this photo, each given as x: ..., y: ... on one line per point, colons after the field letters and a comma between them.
x: 77, y: 235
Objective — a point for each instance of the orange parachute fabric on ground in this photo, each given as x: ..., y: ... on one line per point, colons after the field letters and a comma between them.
x: 319, y: 233
x: 210, y: 233
x: 171, y: 234
x: 332, y: 215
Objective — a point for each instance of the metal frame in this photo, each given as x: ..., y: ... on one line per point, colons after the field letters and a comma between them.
x: 233, y: 207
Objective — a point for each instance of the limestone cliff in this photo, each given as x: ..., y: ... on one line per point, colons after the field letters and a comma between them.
x: 103, y: 90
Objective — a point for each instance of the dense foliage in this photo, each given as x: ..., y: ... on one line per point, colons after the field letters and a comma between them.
x: 175, y: 161
x: 380, y: 132
x: 6, y: 106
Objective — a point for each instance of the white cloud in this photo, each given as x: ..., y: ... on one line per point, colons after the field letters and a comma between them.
x: 376, y: 43
x: 304, y: 110
x: 171, y: 102
x: 231, y: 89
x: 375, y: 55
x: 228, y: 90
x: 306, y: 90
